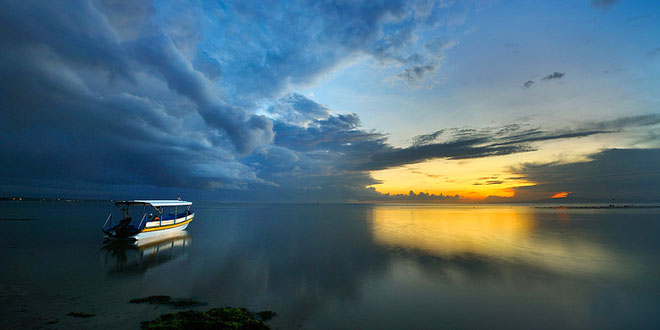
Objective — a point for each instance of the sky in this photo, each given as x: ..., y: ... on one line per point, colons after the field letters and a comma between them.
x: 344, y: 101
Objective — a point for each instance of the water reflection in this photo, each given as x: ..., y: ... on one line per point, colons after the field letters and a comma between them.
x: 347, y: 266
x: 501, y: 233
x: 136, y: 257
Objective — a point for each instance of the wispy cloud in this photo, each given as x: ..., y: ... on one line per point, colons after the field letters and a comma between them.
x: 466, y: 143
x: 554, y: 75
x: 415, y: 74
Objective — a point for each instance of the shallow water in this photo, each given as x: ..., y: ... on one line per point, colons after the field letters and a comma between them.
x: 341, y: 266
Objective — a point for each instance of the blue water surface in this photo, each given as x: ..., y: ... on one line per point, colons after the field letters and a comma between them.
x: 340, y: 266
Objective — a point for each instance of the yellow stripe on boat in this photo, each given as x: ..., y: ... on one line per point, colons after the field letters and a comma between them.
x: 166, y: 227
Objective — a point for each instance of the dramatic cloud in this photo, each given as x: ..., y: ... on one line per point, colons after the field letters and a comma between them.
x: 80, y: 103
x: 111, y: 95
x: 619, y: 175
x: 296, y: 42
x: 464, y: 143
x: 554, y: 75
x: 167, y: 94
x: 333, y: 157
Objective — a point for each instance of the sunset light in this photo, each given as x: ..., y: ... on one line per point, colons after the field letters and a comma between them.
x: 351, y: 164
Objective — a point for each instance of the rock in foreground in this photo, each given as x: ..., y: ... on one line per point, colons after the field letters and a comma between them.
x: 216, y: 318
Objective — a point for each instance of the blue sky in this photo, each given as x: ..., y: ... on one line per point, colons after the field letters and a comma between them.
x: 332, y: 101
x: 603, y: 52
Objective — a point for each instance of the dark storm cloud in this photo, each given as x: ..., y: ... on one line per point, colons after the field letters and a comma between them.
x: 165, y: 94
x: 554, y: 75
x: 619, y: 174
x: 82, y: 104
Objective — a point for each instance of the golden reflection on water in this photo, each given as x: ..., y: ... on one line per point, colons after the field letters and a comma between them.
x: 446, y: 231
x: 508, y: 233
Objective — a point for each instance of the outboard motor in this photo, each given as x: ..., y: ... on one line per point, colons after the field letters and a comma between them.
x: 122, y: 229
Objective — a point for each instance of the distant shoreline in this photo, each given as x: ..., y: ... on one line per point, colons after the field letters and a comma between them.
x: 535, y: 204
x: 600, y: 207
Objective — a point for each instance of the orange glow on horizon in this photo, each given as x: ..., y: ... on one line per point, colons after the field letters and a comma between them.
x: 562, y: 194
x: 472, y: 180
x: 479, y: 179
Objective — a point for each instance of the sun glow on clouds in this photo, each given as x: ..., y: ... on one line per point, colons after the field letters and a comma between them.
x: 562, y: 194
x: 470, y: 179
x: 477, y: 179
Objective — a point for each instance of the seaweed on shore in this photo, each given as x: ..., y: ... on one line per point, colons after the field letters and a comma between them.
x: 81, y: 314
x: 165, y: 300
x: 231, y: 318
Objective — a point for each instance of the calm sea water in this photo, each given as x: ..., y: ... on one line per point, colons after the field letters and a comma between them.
x: 341, y: 266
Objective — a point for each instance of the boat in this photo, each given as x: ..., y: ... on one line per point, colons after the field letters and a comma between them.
x: 167, y: 219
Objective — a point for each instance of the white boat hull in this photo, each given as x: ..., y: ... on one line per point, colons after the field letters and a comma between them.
x: 159, y: 232
x: 166, y: 227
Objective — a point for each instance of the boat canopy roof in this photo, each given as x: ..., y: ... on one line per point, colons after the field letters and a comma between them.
x: 155, y: 203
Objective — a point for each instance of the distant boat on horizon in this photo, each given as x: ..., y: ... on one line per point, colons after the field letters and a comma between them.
x: 165, y: 220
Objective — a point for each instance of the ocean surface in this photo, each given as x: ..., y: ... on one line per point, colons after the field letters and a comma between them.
x: 342, y: 266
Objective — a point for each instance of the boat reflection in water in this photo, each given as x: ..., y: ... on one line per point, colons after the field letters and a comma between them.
x: 138, y: 256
